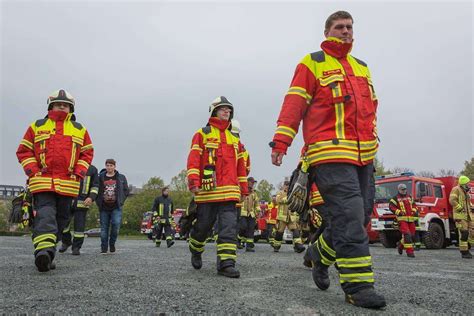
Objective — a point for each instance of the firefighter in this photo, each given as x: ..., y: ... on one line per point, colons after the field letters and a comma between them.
x: 286, y: 218
x: 218, y: 178
x: 55, y: 153
x: 248, y: 215
x: 87, y: 194
x: 272, y: 220
x: 403, y: 206
x: 332, y: 93
x: 311, y: 219
x: 163, y: 210
x: 463, y: 214
x: 236, y: 132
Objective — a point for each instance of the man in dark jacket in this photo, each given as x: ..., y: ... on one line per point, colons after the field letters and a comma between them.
x: 113, y: 190
x: 163, y: 209
x: 87, y: 195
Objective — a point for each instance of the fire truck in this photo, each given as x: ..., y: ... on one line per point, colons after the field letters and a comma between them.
x: 431, y: 196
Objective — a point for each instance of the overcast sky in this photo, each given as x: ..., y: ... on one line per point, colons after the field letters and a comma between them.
x: 143, y: 75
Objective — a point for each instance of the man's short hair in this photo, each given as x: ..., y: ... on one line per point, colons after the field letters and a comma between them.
x: 337, y: 16
x: 110, y: 161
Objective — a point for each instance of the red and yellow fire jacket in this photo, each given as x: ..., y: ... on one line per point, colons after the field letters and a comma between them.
x: 315, y: 198
x: 404, y: 207
x: 215, y: 144
x: 55, y: 153
x: 332, y: 93
x: 272, y: 213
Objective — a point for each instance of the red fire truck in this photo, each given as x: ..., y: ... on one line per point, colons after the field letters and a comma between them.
x: 431, y: 197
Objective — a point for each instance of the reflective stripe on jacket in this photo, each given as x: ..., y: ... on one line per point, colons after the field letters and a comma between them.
x: 332, y: 93
x: 216, y: 145
x: 250, y: 206
x: 461, y: 203
x: 404, y: 207
x: 55, y: 153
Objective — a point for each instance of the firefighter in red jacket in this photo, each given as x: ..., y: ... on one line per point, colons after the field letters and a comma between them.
x: 217, y: 177
x: 332, y: 93
x: 272, y: 211
x: 403, y: 206
x: 55, y: 154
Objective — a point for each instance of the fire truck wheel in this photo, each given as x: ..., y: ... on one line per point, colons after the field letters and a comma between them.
x: 389, y: 238
x: 434, y: 237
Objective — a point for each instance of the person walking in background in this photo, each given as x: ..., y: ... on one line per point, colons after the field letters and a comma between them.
x: 163, y: 210
x: 80, y: 205
x: 113, y: 191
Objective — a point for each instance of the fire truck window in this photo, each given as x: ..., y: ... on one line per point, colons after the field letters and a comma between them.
x: 430, y: 190
x: 438, y: 191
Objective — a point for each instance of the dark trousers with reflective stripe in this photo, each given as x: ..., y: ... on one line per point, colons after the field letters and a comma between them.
x: 158, y: 230
x: 346, y: 191
x: 226, y: 215
x: 247, y: 230
x: 79, y: 214
x: 52, y: 216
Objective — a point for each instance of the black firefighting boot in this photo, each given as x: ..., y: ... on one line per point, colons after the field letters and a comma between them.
x: 196, y: 261
x: 43, y: 261
x: 400, y: 248
x: 366, y: 297
x: 320, y: 275
x: 466, y: 254
x: 64, y: 247
x: 76, y: 252
x: 410, y: 255
x: 250, y: 247
x: 230, y: 272
x: 299, y: 248
x: 169, y: 243
x: 307, y: 260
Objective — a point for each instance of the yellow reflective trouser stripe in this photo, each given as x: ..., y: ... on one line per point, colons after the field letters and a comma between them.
x: 339, y: 108
x: 85, y: 184
x: 169, y: 238
x: 249, y: 240
x: 226, y: 256
x: 198, y: 249
x: 44, y: 237
x: 355, y: 264
x: 45, y: 244
x: 226, y: 245
x: 326, y: 247
x: 324, y: 260
x: 357, y: 277
x: 352, y: 260
x: 78, y: 234
x: 67, y: 228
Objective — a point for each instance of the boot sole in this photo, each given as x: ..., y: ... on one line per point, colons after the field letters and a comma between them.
x: 374, y: 305
x: 43, y: 263
x: 233, y: 276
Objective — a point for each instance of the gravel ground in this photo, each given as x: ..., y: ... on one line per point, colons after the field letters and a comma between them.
x: 141, y: 278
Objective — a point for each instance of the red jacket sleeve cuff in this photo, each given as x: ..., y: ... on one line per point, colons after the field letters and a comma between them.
x: 279, y: 147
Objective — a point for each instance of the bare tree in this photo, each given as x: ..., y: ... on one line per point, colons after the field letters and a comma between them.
x: 426, y: 174
x: 400, y: 170
x: 447, y: 173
